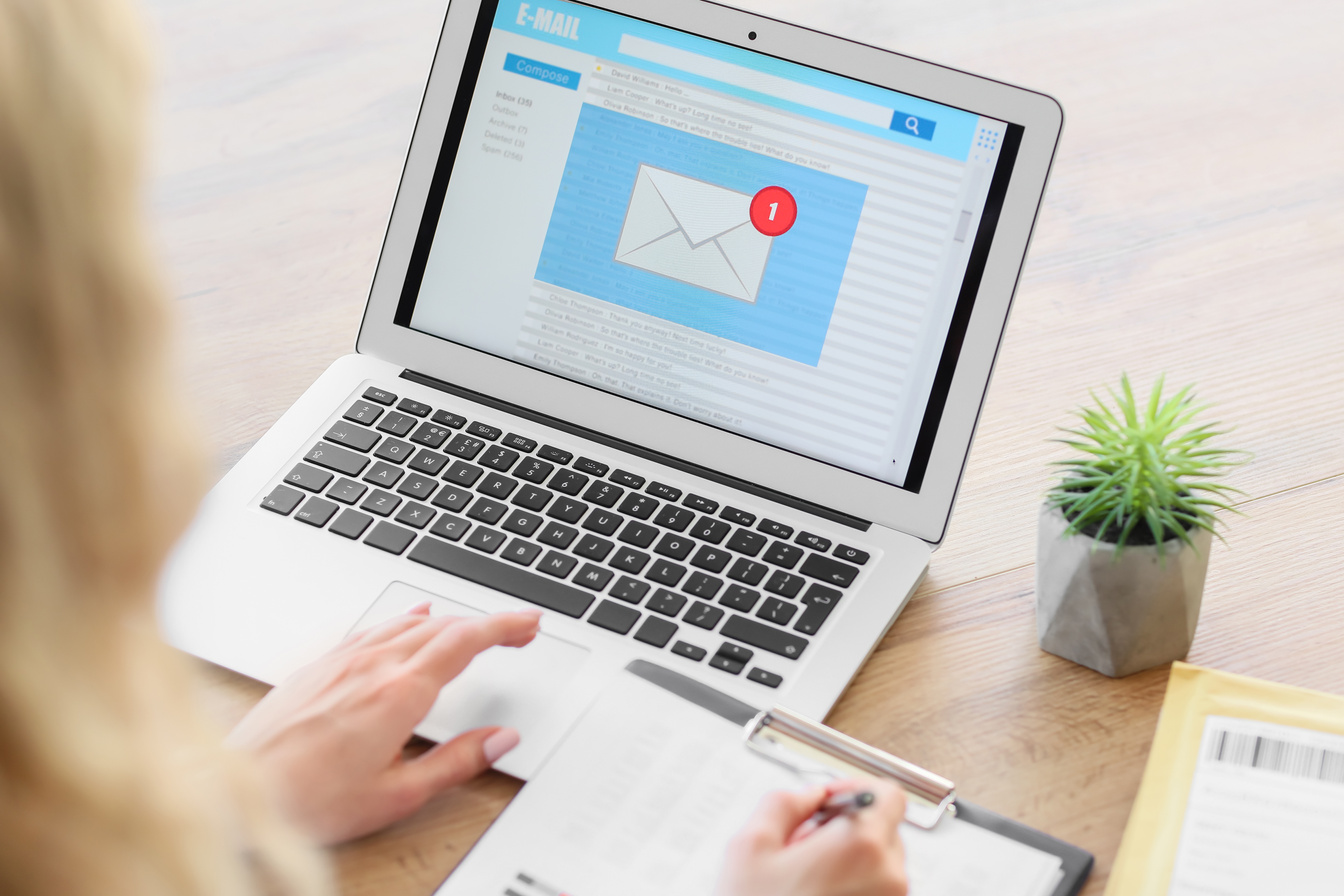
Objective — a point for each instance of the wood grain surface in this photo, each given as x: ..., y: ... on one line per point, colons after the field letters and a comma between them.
x: 1193, y: 226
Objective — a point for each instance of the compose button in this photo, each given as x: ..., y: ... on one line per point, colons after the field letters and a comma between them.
x: 913, y: 125
x: 531, y: 68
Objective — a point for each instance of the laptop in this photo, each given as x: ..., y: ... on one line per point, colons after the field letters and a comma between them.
x: 680, y: 331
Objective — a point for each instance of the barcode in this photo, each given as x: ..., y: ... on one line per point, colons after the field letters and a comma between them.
x: 1298, y: 760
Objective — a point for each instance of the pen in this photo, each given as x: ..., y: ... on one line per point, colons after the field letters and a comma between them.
x: 844, y: 804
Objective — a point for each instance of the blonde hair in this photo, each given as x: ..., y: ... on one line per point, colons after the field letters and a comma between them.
x: 110, y: 782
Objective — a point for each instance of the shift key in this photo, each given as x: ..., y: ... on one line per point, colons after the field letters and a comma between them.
x: 339, y: 459
x: 766, y: 637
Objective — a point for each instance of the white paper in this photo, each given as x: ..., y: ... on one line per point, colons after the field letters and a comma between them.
x: 1265, y: 813
x: 643, y: 795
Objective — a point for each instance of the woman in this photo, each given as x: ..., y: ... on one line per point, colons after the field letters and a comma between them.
x: 110, y: 779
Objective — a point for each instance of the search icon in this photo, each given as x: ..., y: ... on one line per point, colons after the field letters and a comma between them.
x: 905, y: 123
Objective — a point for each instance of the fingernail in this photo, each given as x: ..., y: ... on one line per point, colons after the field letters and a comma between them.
x: 499, y: 743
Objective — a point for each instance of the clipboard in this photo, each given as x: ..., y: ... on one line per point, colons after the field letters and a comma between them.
x: 794, y: 740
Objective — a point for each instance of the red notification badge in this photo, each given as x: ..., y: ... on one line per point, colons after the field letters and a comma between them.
x: 773, y: 211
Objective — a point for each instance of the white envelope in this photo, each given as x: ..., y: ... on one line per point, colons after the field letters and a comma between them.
x: 694, y: 232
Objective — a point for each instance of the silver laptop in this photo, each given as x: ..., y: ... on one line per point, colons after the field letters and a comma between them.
x: 680, y: 332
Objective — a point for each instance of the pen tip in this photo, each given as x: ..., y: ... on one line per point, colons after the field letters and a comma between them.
x: 865, y: 799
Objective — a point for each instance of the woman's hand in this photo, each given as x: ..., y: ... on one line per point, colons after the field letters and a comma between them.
x: 329, y: 739
x: 779, y: 853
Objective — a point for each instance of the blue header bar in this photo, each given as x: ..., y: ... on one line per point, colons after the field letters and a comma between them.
x: 864, y: 108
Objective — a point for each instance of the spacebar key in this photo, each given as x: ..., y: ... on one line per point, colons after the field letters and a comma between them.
x: 766, y: 637
x: 483, y: 570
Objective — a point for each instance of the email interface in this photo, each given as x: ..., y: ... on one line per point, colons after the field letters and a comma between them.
x: 743, y: 241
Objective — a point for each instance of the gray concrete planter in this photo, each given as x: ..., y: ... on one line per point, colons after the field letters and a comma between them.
x: 1117, y: 616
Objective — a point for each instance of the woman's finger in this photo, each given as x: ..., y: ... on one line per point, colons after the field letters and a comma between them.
x: 445, y: 655
x: 383, y: 631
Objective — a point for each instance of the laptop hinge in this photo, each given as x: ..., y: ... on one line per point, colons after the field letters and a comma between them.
x: 659, y: 457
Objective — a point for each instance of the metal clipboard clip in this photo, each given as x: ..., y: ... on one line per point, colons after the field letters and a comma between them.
x: 811, y: 748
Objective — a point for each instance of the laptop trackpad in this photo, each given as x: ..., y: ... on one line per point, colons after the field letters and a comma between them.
x: 515, y: 686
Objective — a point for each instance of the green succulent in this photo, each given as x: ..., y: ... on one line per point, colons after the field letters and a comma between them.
x: 1146, y: 473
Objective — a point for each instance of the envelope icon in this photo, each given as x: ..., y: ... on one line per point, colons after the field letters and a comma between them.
x: 694, y: 232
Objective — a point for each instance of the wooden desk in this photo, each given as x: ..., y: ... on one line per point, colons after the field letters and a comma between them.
x: 1192, y: 226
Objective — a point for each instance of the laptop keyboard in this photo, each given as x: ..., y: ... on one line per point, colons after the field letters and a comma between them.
x: 636, y: 557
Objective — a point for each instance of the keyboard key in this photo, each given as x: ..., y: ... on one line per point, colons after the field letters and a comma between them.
x: 727, y: 664
x: 630, y: 590
x: 520, y: 522
x: 594, y: 577
x: 748, y: 571
x: 690, y: 651
x: 417, y: 516
x: 532, y: 498
x: 628, y: 560
x: 351, y: 523
x: 785, y: 583
x: 674, y: 518
x: 656, y: 631
x: 502, y: 576
x: 778, y: 530
x: 614, y: 617
x: 704, y: 505
x: 341, y: 460
x: 678, y: 547
x: 465, y: 446
x: 741, y: 517
x: 449, y: 527
x: 363, y: 412
x: 557, y: 564
x: 488, y: 511
x: 484, y: 430
x: 347, y: 491
x: 704, y: 615
x: 603, y: 494
x: 520, y: 552
x: 521, y: 443
x: 629, y: 480
x: 567, y: 509
x: 639, y: 534
x: 497, y: 486
x: 352, y: 436
x: 485, y: 539
x: 316, y: 512
x: 702, y: 586
x: 815, y: 542
x: 591, y: 467
x: 781, y: 554
x: 777, y: 611
x: 739, y: 598
x: 853, y: 555
x: 417, y: 486
x: 383, y: 473
x: 665, y: 572
x: 641, y: 507
x: 380, y: 502
x: 766, y: 637
x: 818, y: 603
x: 710, y: 530
x: 452, y: 498
x: 397, y: 424
x: 832, y: 572
x: 666, y: 492
x: 533, y: 470
x: 427, y: 462
x: 760, y: 676
x: 604, y: 522
x: 412, y: 406
x: 593, y: 548
x: 463, y: 472
x: 669, y: 603
x: 449, y: 419
x: 746, y: 542
x: 558, y: 455
x: 394, y: 450
x: 731, y: 658
x: 431, y: 434
x: 710, y: 558
x: 501, y: 459
x: 390, y: 538
x: 309, y: 478
x: 557, y: 536
x: 382, y: 396
x: 569, y: 482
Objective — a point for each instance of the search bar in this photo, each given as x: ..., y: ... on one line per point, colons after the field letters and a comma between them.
x: 761, y: 82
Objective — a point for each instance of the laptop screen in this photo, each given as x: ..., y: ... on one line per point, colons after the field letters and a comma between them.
x: 761, y: 246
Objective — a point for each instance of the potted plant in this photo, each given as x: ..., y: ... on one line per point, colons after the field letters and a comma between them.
x: 1124, y: 537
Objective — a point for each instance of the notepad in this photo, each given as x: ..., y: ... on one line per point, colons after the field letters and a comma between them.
x: 644, y: 793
